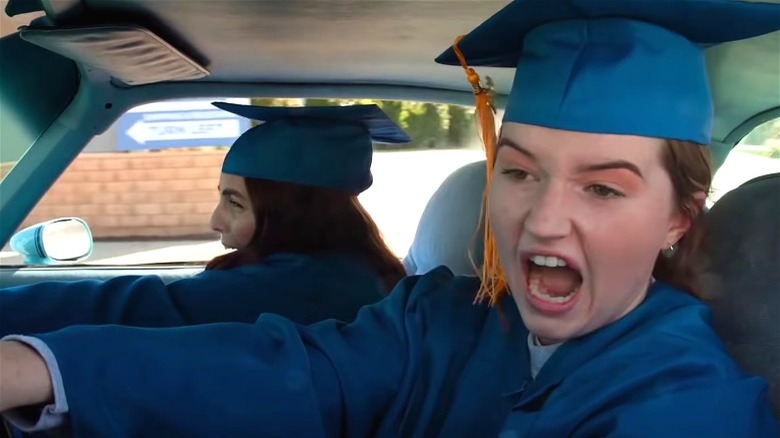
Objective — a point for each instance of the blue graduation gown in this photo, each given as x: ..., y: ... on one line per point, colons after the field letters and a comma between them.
x: 423, y: 362
x: 305, y: 289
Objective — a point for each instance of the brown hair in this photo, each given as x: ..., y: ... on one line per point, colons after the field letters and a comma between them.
x: 308, y: 220
x: 689, y: 166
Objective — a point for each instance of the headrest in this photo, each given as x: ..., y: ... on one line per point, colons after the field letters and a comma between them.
x: 447, y: 230
x: 743, y: 276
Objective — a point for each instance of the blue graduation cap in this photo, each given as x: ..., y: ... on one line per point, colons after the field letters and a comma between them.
x: 324, y: 146
x: 613, y: 66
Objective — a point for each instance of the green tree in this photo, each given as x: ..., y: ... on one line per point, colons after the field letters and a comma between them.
x: 430, y: 125
x: 393, y: 109
x: 320, y: 102
x: 263, y: 101
x: 460, y: 131
x: 425, y: 126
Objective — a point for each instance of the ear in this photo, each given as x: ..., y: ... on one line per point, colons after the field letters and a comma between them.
x: 682, y: 219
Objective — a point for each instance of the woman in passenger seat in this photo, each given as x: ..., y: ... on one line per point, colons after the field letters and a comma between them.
x: 585, y: 322
x: 304, y: 246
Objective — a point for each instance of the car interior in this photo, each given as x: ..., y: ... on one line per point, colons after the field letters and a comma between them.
x: 78, y: 65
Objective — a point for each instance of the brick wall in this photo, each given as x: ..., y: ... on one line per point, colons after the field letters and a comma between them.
x: 168, y: 193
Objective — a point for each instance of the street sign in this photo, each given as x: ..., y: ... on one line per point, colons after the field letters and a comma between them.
x: 179, y: 124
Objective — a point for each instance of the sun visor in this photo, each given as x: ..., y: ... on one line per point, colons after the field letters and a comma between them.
x: 131, y: 54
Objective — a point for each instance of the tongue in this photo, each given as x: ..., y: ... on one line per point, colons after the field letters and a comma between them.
x: 556, y: 282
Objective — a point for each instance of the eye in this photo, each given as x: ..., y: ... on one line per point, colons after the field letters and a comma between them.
x: 603, y: 191
x: 235, y: 204
x: 516, y: 174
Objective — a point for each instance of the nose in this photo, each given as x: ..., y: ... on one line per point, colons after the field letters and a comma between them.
x: 549, y: 215
x: 216, y: 222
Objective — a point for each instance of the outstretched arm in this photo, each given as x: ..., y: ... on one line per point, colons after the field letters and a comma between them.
x: 234, y: 295
x: 236, y: 379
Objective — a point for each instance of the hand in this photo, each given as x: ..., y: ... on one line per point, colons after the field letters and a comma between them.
x: 24, y: 377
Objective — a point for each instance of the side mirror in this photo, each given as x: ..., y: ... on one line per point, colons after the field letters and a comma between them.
x: 54, y: 241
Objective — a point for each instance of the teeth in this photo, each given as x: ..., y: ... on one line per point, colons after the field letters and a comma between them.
x: 533, y: 287
x: 549, y: 261
x: 539, y: 260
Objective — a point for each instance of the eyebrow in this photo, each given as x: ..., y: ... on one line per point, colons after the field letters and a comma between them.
x: 503, y: 141
x: 232, y: 192
x: 609, y: 165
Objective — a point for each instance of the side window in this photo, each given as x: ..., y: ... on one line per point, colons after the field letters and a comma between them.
x: 756, y: 155
x: 147, y: 186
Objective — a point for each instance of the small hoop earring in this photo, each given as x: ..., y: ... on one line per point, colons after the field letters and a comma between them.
x: 669, y: 252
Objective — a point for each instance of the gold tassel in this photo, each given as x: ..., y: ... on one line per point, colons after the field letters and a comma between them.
x: 493, y: 277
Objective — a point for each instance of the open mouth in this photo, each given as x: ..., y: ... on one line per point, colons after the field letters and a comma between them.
x: 551, y: 279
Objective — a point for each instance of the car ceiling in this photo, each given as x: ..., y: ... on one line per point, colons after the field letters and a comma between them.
x: 386, y: 42
x: 293, y: 41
